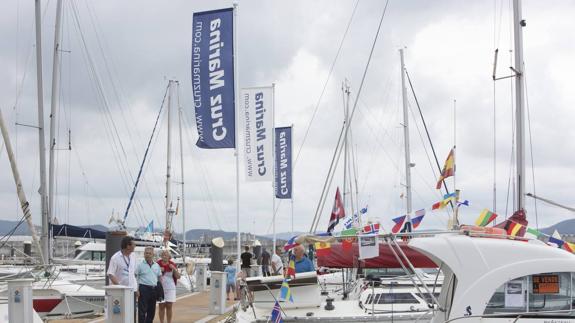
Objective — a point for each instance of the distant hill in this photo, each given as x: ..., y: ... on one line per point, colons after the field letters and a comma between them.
x: 564, y: 227
x: 6, y: 226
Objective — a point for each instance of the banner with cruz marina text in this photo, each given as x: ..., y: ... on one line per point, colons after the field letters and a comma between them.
x: 257, y: 110
x: 283, y: 155
x: 213, y: 78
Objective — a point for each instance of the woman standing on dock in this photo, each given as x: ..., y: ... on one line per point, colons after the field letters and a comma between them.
x: 169, y: 279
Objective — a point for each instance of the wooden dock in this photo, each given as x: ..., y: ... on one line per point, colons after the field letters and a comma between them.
x: 188, y: 308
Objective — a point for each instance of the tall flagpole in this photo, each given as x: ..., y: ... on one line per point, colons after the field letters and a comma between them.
x: 274, y: 164
x: 236, y: 104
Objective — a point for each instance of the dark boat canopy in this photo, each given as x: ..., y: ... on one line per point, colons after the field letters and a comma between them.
x: 66, y: 230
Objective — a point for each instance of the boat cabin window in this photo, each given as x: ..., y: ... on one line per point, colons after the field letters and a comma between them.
x: 384, y: 272
x: 535, y: 293
x: 391, y: 298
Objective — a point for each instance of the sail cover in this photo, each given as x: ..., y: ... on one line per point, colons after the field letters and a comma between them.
x: 338, y: 258
x: 66, y: 230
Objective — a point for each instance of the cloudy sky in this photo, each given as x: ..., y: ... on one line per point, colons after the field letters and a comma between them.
x: 118, y: 55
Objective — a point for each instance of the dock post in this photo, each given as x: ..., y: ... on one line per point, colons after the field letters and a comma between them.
x: 217, y: 255
x: 218, y: 292
x: 119, y: 304
x: 20, y: 301
x: 201, y: 277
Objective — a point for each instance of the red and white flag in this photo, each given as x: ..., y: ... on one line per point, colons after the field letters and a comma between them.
x: 337, y: 212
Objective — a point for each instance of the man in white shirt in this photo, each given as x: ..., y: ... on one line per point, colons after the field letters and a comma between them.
x: 277, y: 264
x: 122, y: 268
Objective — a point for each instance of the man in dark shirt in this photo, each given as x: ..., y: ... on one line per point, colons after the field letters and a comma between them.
x: 246, y: 261
x: 265, y: 263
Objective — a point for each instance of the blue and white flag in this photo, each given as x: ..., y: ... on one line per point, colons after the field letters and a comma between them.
x: 213, y: 78
x: 283, y: 155
x: 257, y: 106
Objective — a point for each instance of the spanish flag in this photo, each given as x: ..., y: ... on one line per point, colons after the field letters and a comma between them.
x: 485, y: 218
x: 448, y: 168
x: 322, y: 248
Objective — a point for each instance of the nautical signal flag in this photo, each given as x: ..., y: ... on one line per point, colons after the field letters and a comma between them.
x: 291, y: 267
x: 446, y: 199
x: 448, y: 168
x: 276, y: 314
x: 337, y: 212
x: 485, y: 217
x: 556, y: 241
x: 513, y: 228
x: 290, y: 244
x: 534, y: 232
x: 285, y: 292
x: 569, y: 246
x: 322, y: 248
x: 416, y: 221
x: 398, y: 223
x: 466, y: 203
x: 371, y: 228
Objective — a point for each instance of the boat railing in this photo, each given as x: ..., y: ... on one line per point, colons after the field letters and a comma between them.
x: 516, y: 315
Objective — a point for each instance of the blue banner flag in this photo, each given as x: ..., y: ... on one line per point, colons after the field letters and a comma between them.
x: 213, y: 78
x: 283, y: 156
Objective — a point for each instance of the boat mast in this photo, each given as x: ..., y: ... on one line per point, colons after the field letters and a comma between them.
x: 53, y: 105
x: 45, y: 237
x: 24, y: 204
x: 169, y: 209
x: 408, y: 163
x: 518, y: 23
x: 345, y: 88
x: 180, y: 112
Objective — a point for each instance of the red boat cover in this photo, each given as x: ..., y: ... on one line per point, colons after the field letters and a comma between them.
x: 338, y: 258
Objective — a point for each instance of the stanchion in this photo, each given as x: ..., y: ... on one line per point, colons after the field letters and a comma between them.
x: 119, y: 304
x: 20, y: 301
x: 218, y: 292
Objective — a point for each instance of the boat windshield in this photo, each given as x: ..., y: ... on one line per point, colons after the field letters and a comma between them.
x: 91, y: 255
x: 542, y: 294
